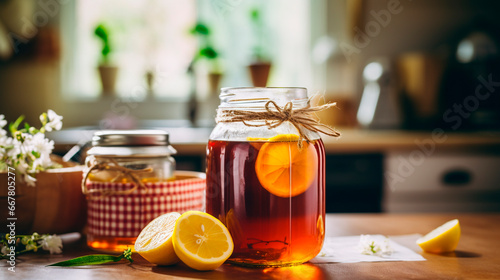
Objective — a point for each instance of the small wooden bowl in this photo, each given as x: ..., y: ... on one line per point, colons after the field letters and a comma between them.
x: 54, y: 205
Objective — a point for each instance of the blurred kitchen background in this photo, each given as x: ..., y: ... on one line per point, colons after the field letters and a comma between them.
x: 415, y: 81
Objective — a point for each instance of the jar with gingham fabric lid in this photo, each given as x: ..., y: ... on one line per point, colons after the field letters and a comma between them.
x: 129, y: 180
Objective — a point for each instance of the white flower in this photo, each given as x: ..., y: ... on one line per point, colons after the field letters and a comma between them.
x: 55, y: 121
x: 3, y: 122
x: 15, y: 147
x: 371, y: 246
x: 5, y: 250
x: 22, y: 167
x: 3, y: 142
x: 43, y: 147
x: 28, y: 151
x: 52, y: 243
x: 21, y: 147
x: 29, y: 180
x: 23, y: 170
x: 42, y: 144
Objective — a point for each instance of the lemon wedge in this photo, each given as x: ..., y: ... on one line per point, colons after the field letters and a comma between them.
x: 442, y: 239
x: 201, y: 241
x: 155, y: 240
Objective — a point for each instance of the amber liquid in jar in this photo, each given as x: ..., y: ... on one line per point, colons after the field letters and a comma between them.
x: 269, y: 226
x: 110, y: 244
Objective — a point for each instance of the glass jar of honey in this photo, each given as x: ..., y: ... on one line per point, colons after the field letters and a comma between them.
x: 265, y: 181
x: 125, y: 185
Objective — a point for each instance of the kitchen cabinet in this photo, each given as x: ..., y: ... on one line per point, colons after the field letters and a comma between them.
x: 442, y: 182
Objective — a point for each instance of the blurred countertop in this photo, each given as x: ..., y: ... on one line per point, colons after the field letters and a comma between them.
x: 358, y: 140
x: 193, y: 140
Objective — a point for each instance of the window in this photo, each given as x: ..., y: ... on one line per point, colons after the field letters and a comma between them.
x: 285, y: 38
x: 153, y: 35
x: 150, y: 35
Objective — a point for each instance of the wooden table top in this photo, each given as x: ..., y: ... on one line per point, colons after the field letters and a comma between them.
x: 477, y: 256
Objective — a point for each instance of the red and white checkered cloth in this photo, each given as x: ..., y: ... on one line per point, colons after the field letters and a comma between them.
x: 127, y: 215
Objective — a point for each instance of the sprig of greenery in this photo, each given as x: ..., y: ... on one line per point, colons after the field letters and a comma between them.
x: 101, y: 31
x: 96, y: 259
x: 27, y: 150
x: 202, y: 31
x: 29, y: 243
x: 259, y: 27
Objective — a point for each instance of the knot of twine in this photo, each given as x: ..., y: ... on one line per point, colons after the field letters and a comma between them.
x: 112, y: 165
x: 272, y: 117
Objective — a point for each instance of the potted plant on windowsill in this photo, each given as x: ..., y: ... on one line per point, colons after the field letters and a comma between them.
x: 38, y: 192
x: 209, y: 55
x: 260, y: 66
x: 107, y: 71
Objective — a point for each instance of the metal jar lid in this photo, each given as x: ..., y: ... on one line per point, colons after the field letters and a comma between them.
x: 131, y: 143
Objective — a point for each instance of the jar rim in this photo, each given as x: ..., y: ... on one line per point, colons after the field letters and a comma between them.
x: 269, y: 88
x: 257, y: 97
x: 139, y: 137
x: 132, y: 151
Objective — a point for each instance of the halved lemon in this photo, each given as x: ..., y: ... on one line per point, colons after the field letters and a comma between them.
x: 283, y: 169
x: 442, y: 239
x: 155, y: 240
x: 201, y: 241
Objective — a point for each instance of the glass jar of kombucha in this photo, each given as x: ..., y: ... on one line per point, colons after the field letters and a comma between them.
x: 265, y: 186
x: 124, y: 184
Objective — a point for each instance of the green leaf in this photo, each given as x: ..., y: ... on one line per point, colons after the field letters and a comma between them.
x: 95, y: 259
x: 101, y: 32
x: 88, y: 260
x: 105, y: 50
x: 13, y: 126
x: 255, y: 14
x: 200, y: 29
x: 208, y: 52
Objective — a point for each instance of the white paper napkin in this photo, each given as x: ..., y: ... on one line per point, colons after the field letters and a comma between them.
x: 345, y: 249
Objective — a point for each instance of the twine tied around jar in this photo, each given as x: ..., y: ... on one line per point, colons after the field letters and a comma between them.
x: 274, y: 116
x: 112, y: 165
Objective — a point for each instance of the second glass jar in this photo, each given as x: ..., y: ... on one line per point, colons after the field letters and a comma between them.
x: 116, y: 219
